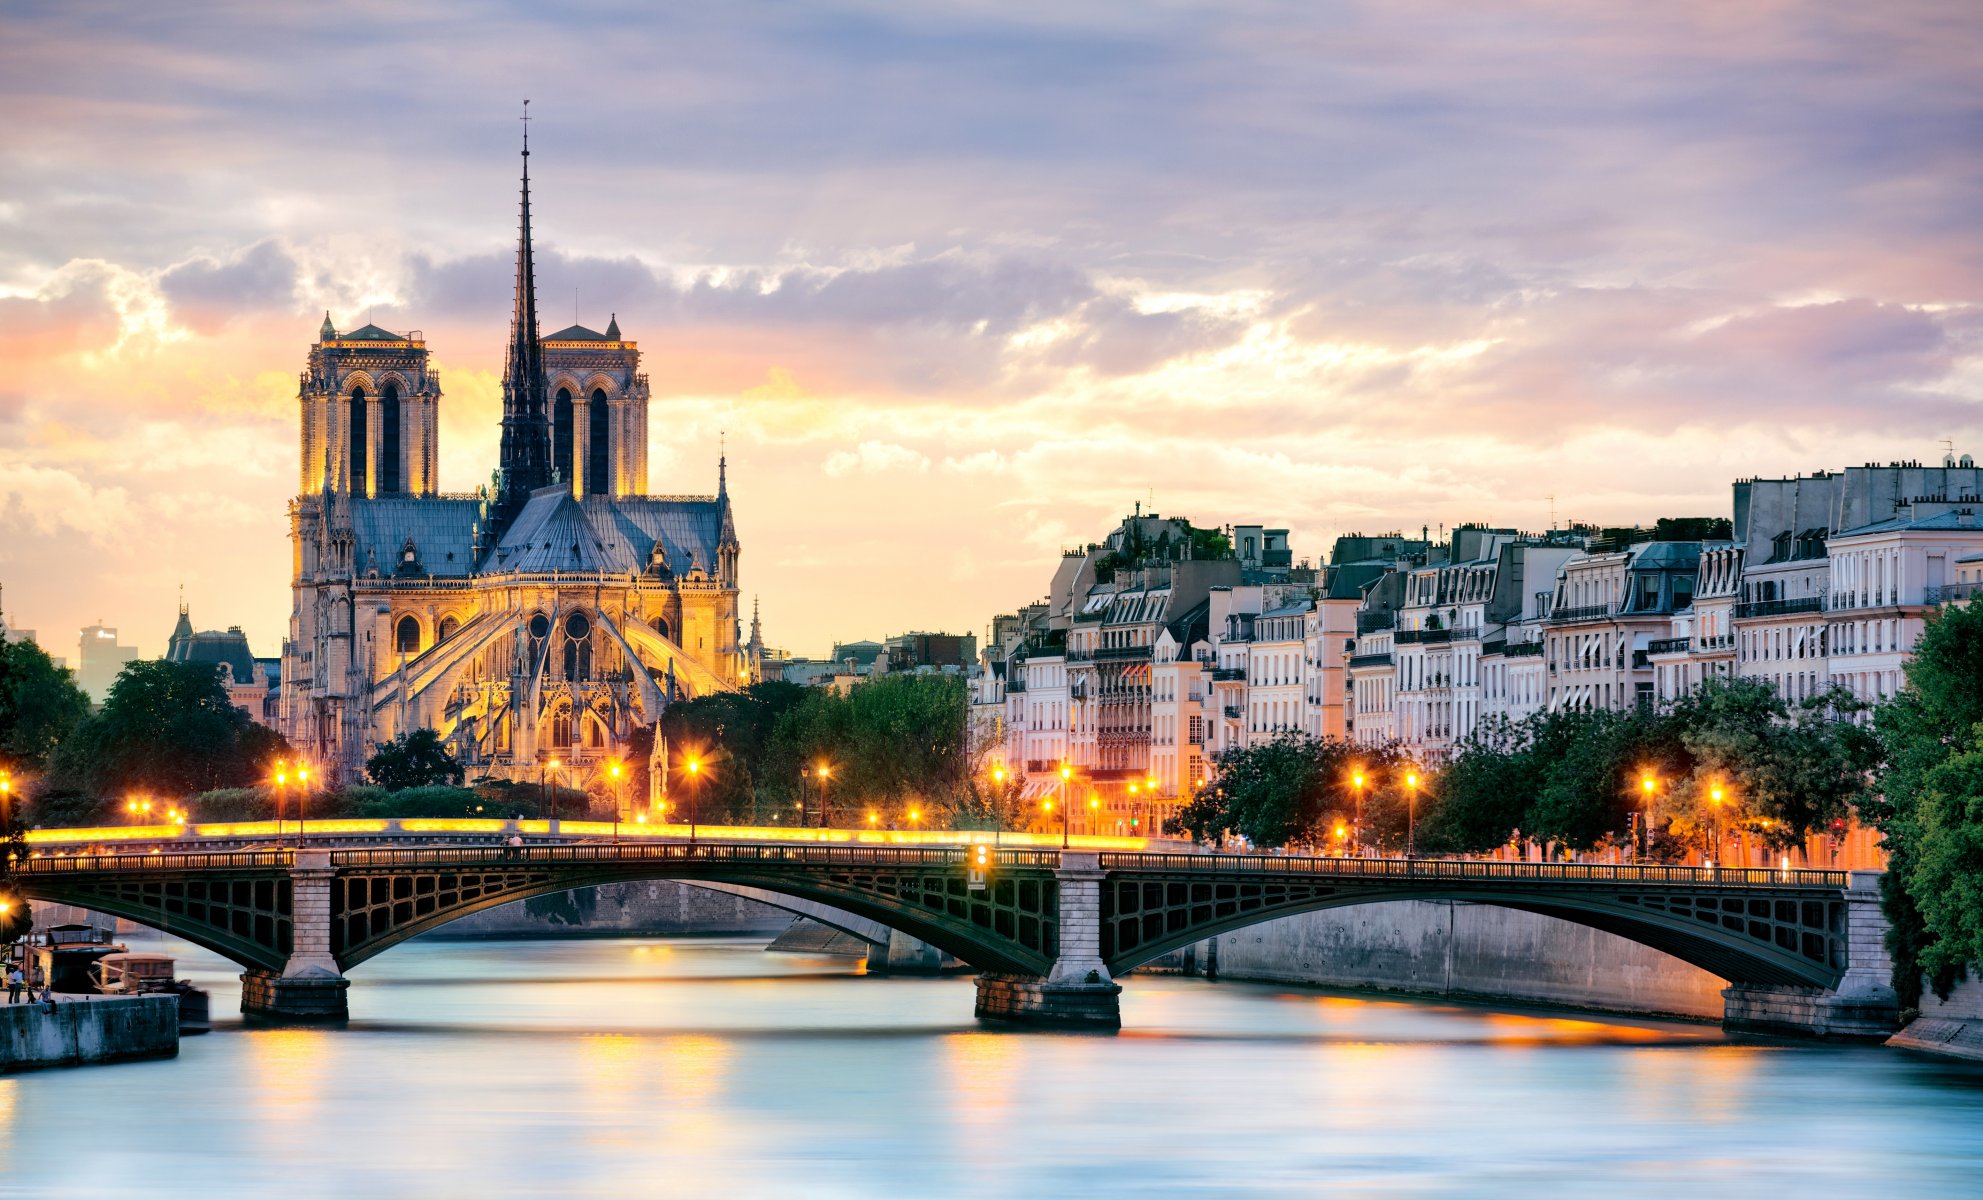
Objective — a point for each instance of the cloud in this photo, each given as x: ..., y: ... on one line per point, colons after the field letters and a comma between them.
x: 205, y: 294
x: 874, y: 458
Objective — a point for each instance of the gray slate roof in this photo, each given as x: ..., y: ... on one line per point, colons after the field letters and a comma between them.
x: 439, y: 526
x: 575, y: 333
x: 610, y: 535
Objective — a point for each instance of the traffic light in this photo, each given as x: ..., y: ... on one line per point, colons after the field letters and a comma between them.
x: 980, y: 863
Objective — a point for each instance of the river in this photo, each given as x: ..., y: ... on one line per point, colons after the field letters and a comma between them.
x: 689, y: 1067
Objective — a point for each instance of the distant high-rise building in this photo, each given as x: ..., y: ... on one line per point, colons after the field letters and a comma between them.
x: 102, y: 658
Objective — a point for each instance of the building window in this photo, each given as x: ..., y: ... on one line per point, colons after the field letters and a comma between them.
x: 406, y: 637
x: 389, y: 440
x: 599, y: 447
x: 357, y: 456
x: 561, y: 435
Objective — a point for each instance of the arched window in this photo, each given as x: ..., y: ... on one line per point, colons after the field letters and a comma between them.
x: 389, y: 440
x: 446, y: 630
x: 357, y: 441
x: 598, y: 477
x: 406, y: 636
x: 578, y: 647
x: 561, y: 434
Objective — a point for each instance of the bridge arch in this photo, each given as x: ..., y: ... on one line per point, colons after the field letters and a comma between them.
x: 1743, y: 937
x: 1013, y: 927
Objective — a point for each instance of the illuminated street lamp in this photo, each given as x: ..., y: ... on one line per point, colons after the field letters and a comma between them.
x: 619, y: 799
x: 695, y: 793
x: 998, y: 794
x: 302, y: 800
x: 1356, y: 781
x: 281, y: 793
x: 1411, y: 814
x: 1648, y: 786
x: 1066, y: 773
x: 1714, y: 830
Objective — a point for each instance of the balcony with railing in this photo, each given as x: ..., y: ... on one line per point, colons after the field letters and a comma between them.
x: 1679, y: 645
x: 1522, y: 650
x: 1227, y: 674
x: 1369, y: 660
x: 1582, y: 612
x: 1781, y: 608
x: 1955, y: 593
x: 1371, y: 622
x: 1118, y: 653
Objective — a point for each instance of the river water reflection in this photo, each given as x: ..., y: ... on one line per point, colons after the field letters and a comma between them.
x: 710, y: 1068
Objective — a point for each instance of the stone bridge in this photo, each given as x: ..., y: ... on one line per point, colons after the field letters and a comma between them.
x: 1047, y: 930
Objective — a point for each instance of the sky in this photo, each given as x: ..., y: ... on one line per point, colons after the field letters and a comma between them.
x: 960, y: 284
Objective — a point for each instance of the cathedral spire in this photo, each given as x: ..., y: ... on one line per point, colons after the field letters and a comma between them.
x: 526, y: 454
x: 722, y: 466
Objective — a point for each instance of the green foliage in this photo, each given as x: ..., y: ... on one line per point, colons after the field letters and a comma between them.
x: 893, y: 742
x: 166, y: 728
x: 1693, y: 529
x: 1485, y: 790
x: 40, y: 705
x: 1930, y: 807
x: 414, y: 759
x: 1297, y: 790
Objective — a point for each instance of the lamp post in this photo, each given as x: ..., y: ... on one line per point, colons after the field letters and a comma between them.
x: 1411, y: 814
x: 695, y: 794
x: 302, y: 798
x: 1714, y: 830
x: 1647, y: 786
x: 1356, y: 781
x: 823, y: 772
x: 1066, y: 773
x: 281, y: 794
x: 998, y: 791
x: 619, y: 800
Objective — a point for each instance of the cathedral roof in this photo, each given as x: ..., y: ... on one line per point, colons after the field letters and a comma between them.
x: 578, y: 333
x: 442, y: 529
x: 371, y: 333
x: 608, y: 534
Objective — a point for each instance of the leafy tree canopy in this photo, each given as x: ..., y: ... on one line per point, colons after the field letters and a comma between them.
x: 414, y: 759
x: 40, y: 705
x: 167, y: 728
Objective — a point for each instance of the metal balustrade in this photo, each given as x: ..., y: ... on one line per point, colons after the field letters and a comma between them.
x: 220, y: 860
x: 1468, y: 868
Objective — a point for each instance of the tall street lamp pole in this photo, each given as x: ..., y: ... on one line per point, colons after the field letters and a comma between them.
x: 1356, y: 781
x: 281, y: 791
x: 695, y: 795
x: 1066, y: 773
x: 1411, y: 814
x: 1647, y: 785
x: 998, y: 791
x: 619, y: 801
x: 302, y: 798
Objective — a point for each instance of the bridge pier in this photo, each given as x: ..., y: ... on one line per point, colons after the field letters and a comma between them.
x: 310, y: 989
x: 1078, y: 993
x: 1863, y: 1005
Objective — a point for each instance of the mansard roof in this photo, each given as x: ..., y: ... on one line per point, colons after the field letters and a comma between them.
x: 215, y: 647
x: 577, y: 333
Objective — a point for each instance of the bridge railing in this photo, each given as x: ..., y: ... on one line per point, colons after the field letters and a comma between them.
x: 227, y: 860
x: 1473, y: 869
x: 686, y: 852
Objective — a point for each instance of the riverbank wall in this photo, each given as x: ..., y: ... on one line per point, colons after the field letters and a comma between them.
x: 75, y: 1030
x: 1471, y: 951
x: 660, y: 908
x: 1953, y: 1027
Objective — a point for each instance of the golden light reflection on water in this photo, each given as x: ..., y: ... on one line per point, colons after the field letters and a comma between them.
x: 289, y: 1066
x: 981, y: 1068
x: 8, y: 1089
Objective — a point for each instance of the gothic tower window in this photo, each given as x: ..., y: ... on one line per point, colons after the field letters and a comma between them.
x: 358, y: 441
x: 561, y: 434
x: 389, y: 440
x: 406, y: 636
x: 598, y: 448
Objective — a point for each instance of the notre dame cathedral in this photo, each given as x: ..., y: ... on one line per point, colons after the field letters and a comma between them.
x: 545, y: 618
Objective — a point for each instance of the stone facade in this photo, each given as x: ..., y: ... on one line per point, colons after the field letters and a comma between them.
x: 543, y: 620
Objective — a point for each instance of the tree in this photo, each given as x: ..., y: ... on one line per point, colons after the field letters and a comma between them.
x: 1928, y: 803
x: 1297, y: 789
x: 414, y: 759
x: 165, y: 727
x: 40, y: 705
